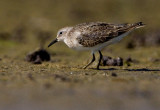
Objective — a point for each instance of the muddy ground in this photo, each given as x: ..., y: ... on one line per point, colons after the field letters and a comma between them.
x: 62, y: 83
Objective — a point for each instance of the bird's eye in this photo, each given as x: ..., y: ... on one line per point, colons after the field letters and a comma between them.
x: 60, y: 33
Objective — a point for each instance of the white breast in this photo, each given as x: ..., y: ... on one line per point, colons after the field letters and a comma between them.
x: 72, y: 42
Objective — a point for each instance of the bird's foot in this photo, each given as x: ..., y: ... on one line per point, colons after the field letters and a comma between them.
x: 97, y: 68
x: 85, y: 67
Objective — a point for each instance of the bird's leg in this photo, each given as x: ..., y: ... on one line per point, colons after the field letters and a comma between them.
x: 100, y: 58
x: 93, y: 59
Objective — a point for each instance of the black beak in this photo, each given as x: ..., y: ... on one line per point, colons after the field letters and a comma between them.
x: 54, y: 41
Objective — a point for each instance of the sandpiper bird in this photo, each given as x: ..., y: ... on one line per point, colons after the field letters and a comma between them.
x: 94, y: 36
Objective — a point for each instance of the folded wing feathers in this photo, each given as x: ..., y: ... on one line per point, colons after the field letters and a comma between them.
x: 103, y: 32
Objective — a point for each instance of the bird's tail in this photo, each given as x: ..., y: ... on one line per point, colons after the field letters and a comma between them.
x: 138, y: 25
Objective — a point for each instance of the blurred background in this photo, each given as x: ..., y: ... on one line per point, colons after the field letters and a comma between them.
x: 24, y: 20
x: 26, y: 25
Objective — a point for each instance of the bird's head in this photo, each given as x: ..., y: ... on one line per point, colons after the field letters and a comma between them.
x: 61, y: 35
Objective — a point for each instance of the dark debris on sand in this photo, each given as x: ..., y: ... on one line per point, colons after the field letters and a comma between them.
x: 130, y: 60
x: 109, y: 61
x: 38, y: 56
x: 114, y: 75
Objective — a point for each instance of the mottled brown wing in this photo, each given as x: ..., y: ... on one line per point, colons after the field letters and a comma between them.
x: 97, y: 33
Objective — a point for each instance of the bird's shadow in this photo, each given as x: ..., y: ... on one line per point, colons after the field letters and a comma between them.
x: 109, y: 69
x: 141, y: 69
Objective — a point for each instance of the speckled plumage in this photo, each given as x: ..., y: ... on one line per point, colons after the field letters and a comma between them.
x: 94, y: 36
x: 94, y: 33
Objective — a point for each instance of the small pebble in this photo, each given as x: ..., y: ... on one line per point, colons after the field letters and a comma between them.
x: 114, y: 74
x: 119, y: 61
x: 129, y: 59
